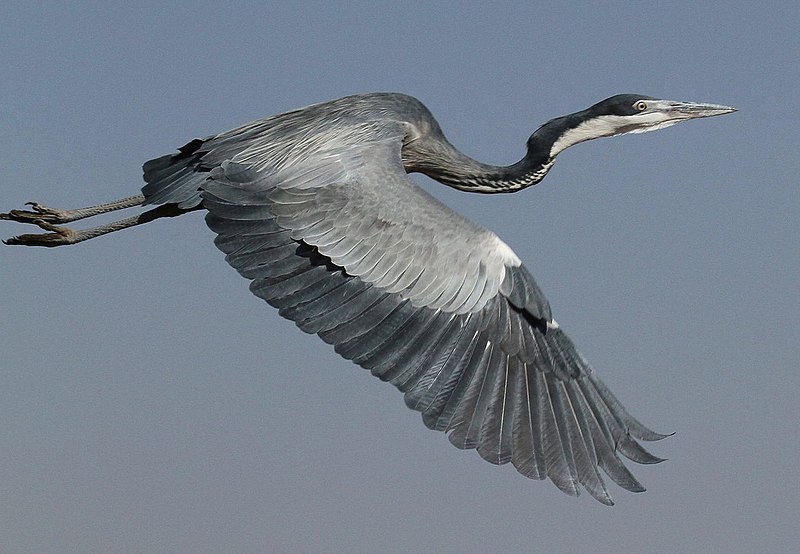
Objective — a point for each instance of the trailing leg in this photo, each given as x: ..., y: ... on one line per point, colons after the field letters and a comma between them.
x: 62, y: 236
x: 55, y: 215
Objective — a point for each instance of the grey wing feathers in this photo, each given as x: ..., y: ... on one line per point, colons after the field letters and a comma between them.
x: 345, y: 245
x: 495, y: 379
x: 263, y: 144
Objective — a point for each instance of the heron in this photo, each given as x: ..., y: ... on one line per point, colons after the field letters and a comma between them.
x: 316, y: 208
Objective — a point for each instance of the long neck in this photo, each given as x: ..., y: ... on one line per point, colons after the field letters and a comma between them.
x: 440, y: 160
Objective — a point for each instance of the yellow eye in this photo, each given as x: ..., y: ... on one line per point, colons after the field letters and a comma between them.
x: 641, y: 105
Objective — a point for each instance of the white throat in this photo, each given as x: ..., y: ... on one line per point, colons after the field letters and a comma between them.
x: 609, y: 126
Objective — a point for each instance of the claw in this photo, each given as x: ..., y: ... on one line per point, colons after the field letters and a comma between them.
x: 39, y: 212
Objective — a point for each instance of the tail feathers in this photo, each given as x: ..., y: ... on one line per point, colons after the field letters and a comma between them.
x: 176, y: 178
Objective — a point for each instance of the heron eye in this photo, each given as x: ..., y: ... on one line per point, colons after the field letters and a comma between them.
x: 641, y: 105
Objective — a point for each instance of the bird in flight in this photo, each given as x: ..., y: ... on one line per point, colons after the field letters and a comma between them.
x: 315, y: 207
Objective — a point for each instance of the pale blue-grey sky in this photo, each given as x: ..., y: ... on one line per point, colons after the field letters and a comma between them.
x: 150, y: 403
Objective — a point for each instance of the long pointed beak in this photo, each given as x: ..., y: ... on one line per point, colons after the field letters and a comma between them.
x: 691, y: 110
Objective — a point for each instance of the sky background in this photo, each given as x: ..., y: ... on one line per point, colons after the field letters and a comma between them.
x: 150, y: 403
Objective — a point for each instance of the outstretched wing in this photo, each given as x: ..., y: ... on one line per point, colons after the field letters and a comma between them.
x: 342, y: 242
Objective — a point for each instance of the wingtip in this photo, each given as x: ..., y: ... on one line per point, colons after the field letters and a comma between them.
x: 652, y: 436
x: 600, y: 493
x: 636, y: 452
x: 608, y: 501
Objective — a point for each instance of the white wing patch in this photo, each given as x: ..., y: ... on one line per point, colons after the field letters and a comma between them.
x: 508, y: 256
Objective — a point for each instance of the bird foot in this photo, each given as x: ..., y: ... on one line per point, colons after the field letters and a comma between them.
x: 38, y: 213
x: 58, y: 236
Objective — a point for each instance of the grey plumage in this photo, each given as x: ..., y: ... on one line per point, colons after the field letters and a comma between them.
x: 316, y: 209
x: 345, y: 244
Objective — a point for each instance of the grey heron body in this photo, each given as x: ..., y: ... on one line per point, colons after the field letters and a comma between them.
x: 316, y: 208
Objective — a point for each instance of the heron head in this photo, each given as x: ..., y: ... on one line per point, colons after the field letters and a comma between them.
x: 620, y: 115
